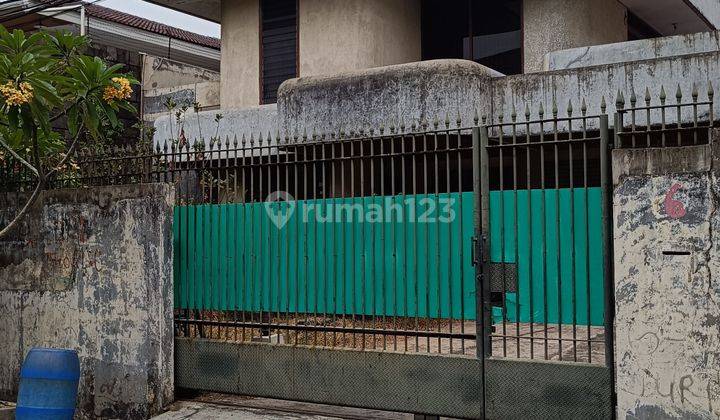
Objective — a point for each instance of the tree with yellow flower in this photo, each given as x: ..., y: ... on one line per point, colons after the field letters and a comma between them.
x: 52, y: 98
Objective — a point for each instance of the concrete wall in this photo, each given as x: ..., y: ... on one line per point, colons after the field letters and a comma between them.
x: 91, y: 270
x: 253, y: 120
x: 185, y: 84
x: 624, y: 52
x: 551, y: 25
x: 343, y: 35
x: 667, y: 258
x: 240, y: 53
x: 408, y: 92
x: 374, y: 97
x: 161, y: 73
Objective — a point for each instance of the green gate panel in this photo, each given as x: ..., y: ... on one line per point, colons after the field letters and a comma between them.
x: 559, y: 253
x: 232, y: 257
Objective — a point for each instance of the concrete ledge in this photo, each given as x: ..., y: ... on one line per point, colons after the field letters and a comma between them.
x: 663, y: 161
x: 624, y: 52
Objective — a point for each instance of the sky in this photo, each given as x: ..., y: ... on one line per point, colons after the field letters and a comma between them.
x: 164, y: 15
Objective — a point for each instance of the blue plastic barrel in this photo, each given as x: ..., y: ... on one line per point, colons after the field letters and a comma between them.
x: 48, y: 384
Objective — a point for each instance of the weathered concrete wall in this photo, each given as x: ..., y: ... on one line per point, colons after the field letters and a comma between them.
x: 91, y: 270
x: 374, y: 97
x: 550, y: 25
x: 343, y: 35
x: 240, y: 53
x: 667, y: 267
x: 205, y: 94
x: 160, y: 73
x: 369, y: 98
x: 595, y: 83
x: 624, y: 52
x: 185, y: 84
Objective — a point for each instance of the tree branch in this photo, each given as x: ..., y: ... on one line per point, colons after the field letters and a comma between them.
x: 69, y: 153
x: 16, y: 156
x: 22, y: 212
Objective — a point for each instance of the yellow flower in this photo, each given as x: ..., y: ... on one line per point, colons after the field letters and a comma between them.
x: 16, y: 95
x: 122, y: 92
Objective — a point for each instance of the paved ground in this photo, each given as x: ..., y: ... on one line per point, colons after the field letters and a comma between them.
x: 220, y: 407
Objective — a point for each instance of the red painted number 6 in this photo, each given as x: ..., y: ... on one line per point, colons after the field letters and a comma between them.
x: 674, y: 208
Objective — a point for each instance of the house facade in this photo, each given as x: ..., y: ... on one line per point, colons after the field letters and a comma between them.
x: 266, y: 42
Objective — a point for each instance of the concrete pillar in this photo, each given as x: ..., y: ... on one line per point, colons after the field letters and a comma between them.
x: 551, y: 25
x: 344, y: 35
x: 240, y: 56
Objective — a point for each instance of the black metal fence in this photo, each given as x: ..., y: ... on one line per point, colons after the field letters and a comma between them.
x: 371, y: 239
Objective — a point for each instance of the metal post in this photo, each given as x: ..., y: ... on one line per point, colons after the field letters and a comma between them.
x: 609, y: 289
x: 481, y: 187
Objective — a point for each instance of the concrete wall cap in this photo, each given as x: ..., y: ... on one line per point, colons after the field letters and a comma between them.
x: 455, y: 67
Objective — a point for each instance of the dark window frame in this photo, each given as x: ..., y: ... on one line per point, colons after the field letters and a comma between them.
x: 261, y: 76
x: 470, y: 32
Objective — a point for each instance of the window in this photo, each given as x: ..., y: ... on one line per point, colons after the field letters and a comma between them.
x: 487, y: 32
x: 278, y: 34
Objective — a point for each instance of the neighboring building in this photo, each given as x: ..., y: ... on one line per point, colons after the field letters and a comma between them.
x: 265, y: 42
x: 179, y: 60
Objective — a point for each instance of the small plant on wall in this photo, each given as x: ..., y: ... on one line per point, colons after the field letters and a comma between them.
x: 53, y: 99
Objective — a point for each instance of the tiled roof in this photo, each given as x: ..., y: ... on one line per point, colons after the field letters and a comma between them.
x: 123, y: 18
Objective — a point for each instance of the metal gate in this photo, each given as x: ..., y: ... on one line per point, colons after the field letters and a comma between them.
x: 345, y: 268
x: 330, y: 268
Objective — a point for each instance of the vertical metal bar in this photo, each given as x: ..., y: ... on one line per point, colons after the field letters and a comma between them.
x: 361, y: 224
x: 694, y: 96
x: 648, y: 125
x: 246, y: 275
x: 405, y: 233
x: 501, y: 211
x: 298, y: 239
x: 678, y: 107
x: 316, y: 258
x: 528, y: 182
x: 543, y: 230
x: 306, y: 258
x: 336, y: 278
x: 663, y: 108
x: 573, y: 277
x: 343, y: 238
x: 461, y: 257
x: 253, y: 279
x: 388, y: 218
x: 280, y: 233
x: 393, y: 239
x: 609, y: 283
x: 558, y: 248
x: 373, y: 249
x: 427, y: 242
x: 325, y: 238
x: 436, y: 173
x: 633, y: 125
x: 450, y: 277
x: 352, y: 254
x: 287, y: 241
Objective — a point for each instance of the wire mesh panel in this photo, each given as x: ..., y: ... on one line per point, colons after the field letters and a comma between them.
x: 358, y: 241
x: 546, y: 260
